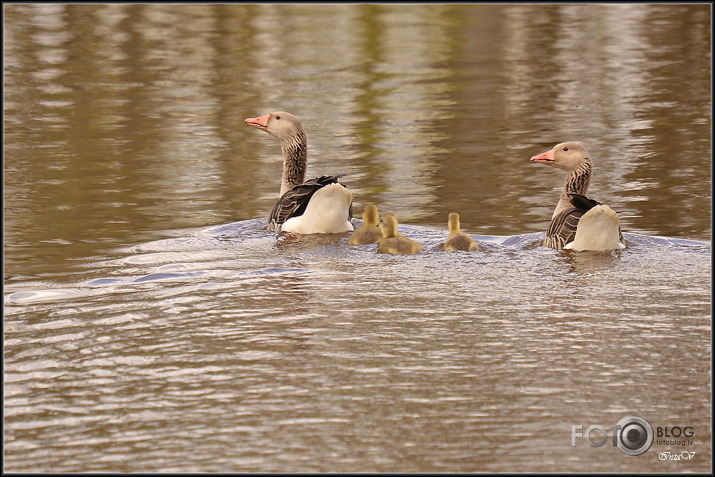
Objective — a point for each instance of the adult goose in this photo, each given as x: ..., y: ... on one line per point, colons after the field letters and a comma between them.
x: 369, y: 232
x: 320, y: 205
x: 392, y: 241
x: 458, y: 240
x: 578, y: 223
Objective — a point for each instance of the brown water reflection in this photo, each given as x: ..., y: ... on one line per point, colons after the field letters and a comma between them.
x: 132, y: 114
x: 124, y: 124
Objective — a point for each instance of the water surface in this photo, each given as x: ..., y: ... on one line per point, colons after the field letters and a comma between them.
x: 152, y: 324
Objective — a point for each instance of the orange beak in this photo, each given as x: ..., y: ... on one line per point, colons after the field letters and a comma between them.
x: 545, y: 158
x: 260, y: 123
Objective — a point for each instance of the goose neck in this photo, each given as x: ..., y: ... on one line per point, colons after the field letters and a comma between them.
x: 295, y: 157
x: 577, y: 182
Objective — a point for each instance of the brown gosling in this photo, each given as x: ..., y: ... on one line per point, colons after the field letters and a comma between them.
x: 392, y: 241
x: 458, y: 240
x: 369, y: 232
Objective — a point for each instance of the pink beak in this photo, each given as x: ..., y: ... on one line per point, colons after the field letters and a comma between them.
x: 545, y: 157
x: 260, y: 123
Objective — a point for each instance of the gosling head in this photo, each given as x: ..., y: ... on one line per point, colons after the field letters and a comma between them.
x: 388, y: 225
x: 453, y: 223
x: 369, y: 215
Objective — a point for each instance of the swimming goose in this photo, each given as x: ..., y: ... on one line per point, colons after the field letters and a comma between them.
x: 458, y: 240
x: 320, y: 205
x: 392, y: 241
x: 578, y: 223
x: 369, y: 232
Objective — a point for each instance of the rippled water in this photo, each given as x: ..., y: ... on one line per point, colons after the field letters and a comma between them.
x: 238, y: 350
x: 152, y: 324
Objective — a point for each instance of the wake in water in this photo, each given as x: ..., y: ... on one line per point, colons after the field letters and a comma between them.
x: 242, y: 249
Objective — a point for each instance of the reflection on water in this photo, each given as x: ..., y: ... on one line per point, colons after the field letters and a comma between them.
x: 142, y: 334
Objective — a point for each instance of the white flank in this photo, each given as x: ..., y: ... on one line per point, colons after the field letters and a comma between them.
x: 597, y: 230
x: 327, y: 213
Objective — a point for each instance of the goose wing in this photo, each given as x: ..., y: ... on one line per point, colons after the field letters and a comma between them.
x: 562, y: 228
x: 582, y: 202
x: 294, y: 202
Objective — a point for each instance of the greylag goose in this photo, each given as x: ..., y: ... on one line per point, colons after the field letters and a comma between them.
x: 458, y: 240
x: 320, y: 205
x: 392, y: 241
x: 369, y: 232
x: 578, y: 223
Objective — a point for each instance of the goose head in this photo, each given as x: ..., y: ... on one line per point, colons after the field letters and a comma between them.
x: 388, y: 225
x: 567, y: 155
x: 280, y: 124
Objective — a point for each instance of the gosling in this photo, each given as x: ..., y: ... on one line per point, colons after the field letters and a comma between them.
x: 458, y: 240
x: 369, y: 232
x: 392, y: 241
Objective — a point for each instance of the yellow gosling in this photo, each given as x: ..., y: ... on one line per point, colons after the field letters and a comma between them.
x: 392, y: 241
x: 369, y: 232
x: 458, y: 240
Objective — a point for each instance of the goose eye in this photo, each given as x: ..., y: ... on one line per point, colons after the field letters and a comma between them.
x: 278, y: 116
x: 565, y: 148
